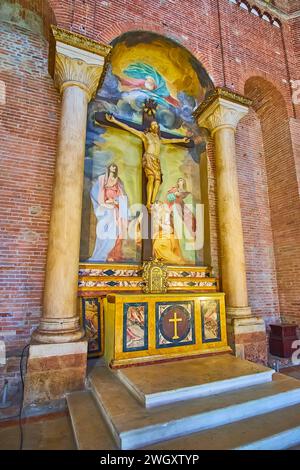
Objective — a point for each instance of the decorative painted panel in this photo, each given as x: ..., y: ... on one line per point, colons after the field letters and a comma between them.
x: 211, y: 322
x: 92, y: 322
x: 135, y: 326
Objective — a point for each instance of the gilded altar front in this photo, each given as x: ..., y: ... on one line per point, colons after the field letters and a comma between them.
x: 97, y: 281
x: 145, y: 328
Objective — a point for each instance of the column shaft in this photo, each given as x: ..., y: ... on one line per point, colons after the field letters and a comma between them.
x: 64, y: 236
x: 76, y: 64
x: 230, y: 223
x: 220, y: 114
x: 60, y: 321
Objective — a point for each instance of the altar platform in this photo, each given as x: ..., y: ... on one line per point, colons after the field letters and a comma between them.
x: 170, y: 382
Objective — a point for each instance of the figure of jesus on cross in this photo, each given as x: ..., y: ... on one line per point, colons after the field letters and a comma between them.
x: 151, y: 158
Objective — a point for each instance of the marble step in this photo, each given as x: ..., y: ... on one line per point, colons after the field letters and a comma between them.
x: 271, y: 431
x: 169, y: 382
x: 134, y: 426
x: 277, y: 430
x: 89, y: 428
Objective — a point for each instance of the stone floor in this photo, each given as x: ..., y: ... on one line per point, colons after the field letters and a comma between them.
x: 51, y: 431
x: 292, y: 372
x: 47, y: 433
x: 40, y: 433
x: 279, y: 363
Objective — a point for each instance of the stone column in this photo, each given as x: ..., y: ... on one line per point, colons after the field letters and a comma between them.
x: 76, y: 64
x: 220, y: 114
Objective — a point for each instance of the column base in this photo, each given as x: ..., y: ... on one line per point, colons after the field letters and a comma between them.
x: 58, y: 330
x: 238, y: 312
x: 54, y: 370
x: 247, y: 334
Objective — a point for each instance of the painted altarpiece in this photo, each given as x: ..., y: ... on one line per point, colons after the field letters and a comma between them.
x: 143, y: 66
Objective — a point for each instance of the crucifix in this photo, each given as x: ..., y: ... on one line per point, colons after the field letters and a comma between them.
x: 152, y: 139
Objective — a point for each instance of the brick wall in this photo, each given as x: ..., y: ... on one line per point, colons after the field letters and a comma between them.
x: 28, y: 129
x: 234, y: 45
x: 295, y: 135
x: 294, y: 30
x: 23, y: 12
x: 295, y: 123
x: 283, y: 191
x: 255, y: 208
x: 288, y: 6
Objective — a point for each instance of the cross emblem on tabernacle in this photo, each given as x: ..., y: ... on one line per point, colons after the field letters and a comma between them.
x: 175, y: 320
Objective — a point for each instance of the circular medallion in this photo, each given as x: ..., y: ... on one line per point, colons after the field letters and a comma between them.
x: 175, y: 323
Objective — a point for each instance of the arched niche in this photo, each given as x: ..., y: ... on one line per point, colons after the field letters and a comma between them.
x: 145, y: 65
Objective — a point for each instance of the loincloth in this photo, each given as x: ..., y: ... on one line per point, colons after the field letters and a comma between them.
x: 151, y: 165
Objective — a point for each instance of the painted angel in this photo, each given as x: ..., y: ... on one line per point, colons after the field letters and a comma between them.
x: 143, y: 78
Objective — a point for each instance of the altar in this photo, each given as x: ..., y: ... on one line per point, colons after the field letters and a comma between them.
x: 146, y: 328
x: 97, y: 282
x: 147, y: 188
x: 145, y: 199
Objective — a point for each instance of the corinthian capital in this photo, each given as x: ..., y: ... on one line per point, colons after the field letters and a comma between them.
x: 222, y: 109
x: 75, y: 60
